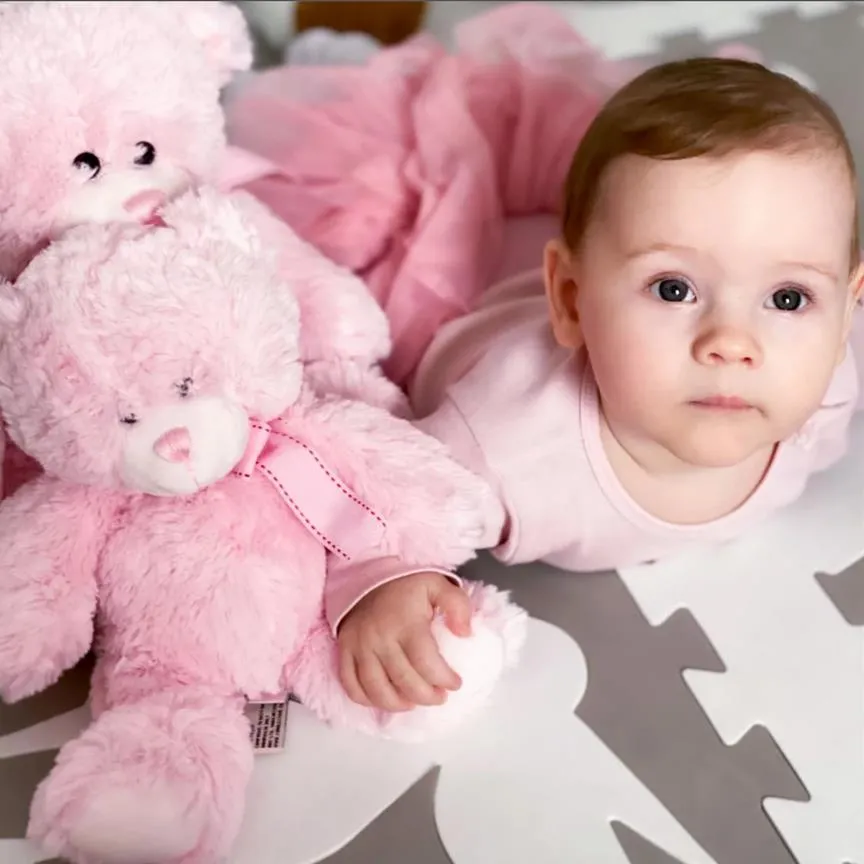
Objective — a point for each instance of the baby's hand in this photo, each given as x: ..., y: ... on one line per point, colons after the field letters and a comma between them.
x: 387, y: 654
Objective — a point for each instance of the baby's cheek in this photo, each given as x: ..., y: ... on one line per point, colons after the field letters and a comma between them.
x: 796, y: 382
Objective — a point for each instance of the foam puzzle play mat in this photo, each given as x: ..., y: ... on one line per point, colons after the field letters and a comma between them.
x: 702, y: 710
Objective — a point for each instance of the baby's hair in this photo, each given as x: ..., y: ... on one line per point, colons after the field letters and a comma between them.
x: 700, y: 107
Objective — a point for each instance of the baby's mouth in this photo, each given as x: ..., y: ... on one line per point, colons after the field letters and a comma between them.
x: 723, y: 403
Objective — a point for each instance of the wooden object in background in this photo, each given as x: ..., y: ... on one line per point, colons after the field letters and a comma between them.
x: 388, y: 21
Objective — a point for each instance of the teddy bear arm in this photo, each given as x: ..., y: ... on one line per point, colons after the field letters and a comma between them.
x: 48, y: 586
x: 353, y: 379
x: 341, y: 320
x: 437, y: 513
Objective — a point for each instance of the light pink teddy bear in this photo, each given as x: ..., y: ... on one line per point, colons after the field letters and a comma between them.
x: 109, y: 109
x: 195, y: 491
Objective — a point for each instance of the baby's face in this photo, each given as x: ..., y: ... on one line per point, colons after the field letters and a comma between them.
x: 714, y: 298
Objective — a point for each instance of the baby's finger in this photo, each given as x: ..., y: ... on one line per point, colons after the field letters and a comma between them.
x: 348, y: 677
x: 407, y: 681
x: 422, y: 651
x: 376, y: 684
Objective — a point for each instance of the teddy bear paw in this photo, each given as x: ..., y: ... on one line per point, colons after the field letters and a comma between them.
x: 159, y: 782
x: 134, y: 826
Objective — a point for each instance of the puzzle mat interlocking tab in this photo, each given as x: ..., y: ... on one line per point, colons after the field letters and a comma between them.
x: 702, y: 686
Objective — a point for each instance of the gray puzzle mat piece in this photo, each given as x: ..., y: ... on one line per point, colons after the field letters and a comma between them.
x: 68, y: 693
x: 19, y: 777
x: 846, y: 590
x: 638, y: 849
x: 828, y: 48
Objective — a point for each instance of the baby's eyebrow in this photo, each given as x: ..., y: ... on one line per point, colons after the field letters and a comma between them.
x: 820, y: 269
x: 652, y: 248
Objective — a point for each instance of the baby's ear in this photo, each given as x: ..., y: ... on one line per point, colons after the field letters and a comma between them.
x: 561, y: 288
x: 222, y: 30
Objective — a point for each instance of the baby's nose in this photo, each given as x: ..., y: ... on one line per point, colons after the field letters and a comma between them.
x: 725, y: 344
x: 174, y: 446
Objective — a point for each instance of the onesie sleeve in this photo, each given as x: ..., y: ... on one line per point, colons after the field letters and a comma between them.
x: 347, y: 584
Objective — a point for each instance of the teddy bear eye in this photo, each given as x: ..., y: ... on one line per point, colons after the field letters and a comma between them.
x: 129, y: 419
x: 146, y: 153
x: 184, y: 387
x: 89, y: 162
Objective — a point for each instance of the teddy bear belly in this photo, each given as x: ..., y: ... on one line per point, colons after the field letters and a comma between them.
x: 218, y: 589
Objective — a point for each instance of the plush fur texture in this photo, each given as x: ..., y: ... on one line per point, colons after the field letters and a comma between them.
x: 200, y: 584
x: 110, y: 109
x: 98, y: 78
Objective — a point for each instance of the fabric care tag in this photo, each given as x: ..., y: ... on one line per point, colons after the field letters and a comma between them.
x: 268, y: 720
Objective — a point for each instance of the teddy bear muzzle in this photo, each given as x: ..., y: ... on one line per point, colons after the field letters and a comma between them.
x: 180, y: 449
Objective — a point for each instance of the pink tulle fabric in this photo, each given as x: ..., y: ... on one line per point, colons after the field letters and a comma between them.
x: 405, y: 169
x: 408, y: 169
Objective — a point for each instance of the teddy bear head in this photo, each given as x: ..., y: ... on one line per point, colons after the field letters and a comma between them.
x: 108, y: 109
x: 135, y: 357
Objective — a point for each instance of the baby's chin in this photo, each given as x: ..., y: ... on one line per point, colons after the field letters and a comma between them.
x: 721, y: 447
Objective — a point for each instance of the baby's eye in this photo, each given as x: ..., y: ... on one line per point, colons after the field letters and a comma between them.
x: 673, y: 289
x: 788, y: 299
x: 146, y: 153
x: 88, y: 162
x: 129, y: 419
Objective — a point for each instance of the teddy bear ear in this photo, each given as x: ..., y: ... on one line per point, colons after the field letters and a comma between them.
x: 222, y: 29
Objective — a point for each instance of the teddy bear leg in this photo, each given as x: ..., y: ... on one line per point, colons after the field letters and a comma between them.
x: 499, y: 629
x: 159, y: 780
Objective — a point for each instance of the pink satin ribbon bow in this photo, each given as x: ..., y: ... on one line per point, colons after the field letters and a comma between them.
x: 345, y: 524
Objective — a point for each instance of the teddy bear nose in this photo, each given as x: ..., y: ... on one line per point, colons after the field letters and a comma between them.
x: 174, y: 446
x: 144, y: 205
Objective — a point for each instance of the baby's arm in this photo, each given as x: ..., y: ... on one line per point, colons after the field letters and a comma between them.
x: 387, y: 655
x: 381, y: 610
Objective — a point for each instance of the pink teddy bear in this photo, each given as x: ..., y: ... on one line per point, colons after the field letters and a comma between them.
x: 195, y: 493
x: 110, y: 109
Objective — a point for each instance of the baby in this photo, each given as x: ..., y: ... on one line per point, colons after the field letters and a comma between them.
x: 681, y: 377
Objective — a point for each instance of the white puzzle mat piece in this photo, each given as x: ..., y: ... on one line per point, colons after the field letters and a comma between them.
x: 18, y: 852
x: 794, y: 665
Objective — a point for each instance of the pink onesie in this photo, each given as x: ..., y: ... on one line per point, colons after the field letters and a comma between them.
x: 523, y: 412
